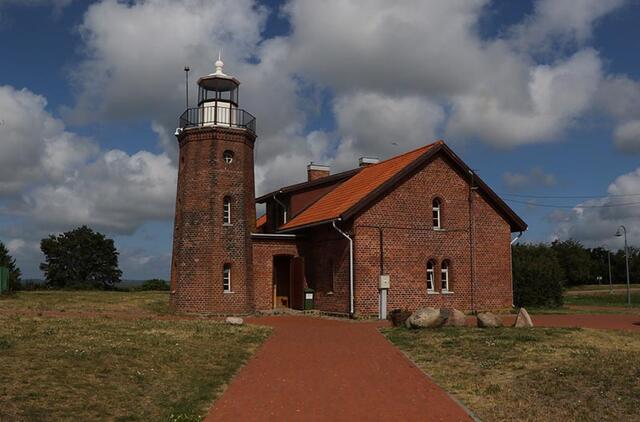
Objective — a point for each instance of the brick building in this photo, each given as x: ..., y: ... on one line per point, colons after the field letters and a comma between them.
x: 418, y: 229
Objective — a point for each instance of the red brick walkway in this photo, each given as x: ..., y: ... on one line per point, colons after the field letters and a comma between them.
x: 315, y: 369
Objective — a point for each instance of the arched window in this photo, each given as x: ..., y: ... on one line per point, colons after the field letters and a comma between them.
x: 227, y: 156
x: 226, y: 210
x: 226, y: 278
x: 444, y: 276
x: 436, y: 207
x: 431, y: 275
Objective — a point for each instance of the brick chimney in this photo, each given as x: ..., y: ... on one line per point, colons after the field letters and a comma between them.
x: 317, y: 171
x: 367, y: 161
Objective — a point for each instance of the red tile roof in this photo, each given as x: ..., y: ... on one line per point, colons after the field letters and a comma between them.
x: 352, y: 191
x: 261, y: 220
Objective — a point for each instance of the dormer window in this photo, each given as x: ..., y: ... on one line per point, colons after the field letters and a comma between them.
x: 437, y: 223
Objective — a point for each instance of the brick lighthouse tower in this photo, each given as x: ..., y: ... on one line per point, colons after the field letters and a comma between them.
x: 211, y: 270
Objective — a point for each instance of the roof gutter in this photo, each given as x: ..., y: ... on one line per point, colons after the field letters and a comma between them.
x: 513, y: 285
x: 350, y: 239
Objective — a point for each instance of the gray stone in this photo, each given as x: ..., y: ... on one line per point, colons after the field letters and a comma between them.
x: 523, y: 319
x: 425, y: 318
x: 454, y: 318
x: 489, y: 320
x: 234, y: 320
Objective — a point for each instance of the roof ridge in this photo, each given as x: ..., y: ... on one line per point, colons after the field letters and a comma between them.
x: 440, y: 141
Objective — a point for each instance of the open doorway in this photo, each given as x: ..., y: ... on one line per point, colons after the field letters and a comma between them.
x: 288, y: 282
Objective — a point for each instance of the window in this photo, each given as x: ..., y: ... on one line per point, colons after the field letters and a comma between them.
x: 226, y: 210
x: 444, y: 276
x: 227, y: 156
x: 226, y: 278
x: 431, y: 275
x: 436, y: 214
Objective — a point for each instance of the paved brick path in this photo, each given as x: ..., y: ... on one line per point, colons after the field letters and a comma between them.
x: 316, y: 369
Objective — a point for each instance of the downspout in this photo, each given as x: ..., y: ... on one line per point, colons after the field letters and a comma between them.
x: 513, y: 305
x: 350, y: 266
x: 284, y: 207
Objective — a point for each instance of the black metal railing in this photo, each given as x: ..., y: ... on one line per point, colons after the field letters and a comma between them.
x: 217, y: 116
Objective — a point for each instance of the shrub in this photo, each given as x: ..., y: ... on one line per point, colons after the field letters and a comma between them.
x: 155, y: 284
x: 538, y: 276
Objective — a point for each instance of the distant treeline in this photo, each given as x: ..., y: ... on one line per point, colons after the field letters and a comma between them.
x: 77, y: 259
x: 541, y: 271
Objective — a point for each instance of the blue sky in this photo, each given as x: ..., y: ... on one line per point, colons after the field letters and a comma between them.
x: 540, y: 97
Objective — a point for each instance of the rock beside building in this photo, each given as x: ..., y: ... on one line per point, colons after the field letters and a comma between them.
x: 489, y: 320
x: 426, y: 318
x: 523, y: 320
x: 454, y: 318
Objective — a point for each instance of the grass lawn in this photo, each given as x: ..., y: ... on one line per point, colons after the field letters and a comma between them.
x: 604, y: 299
x: 604, y: 286
x: 113, y: 369
x: 131, y: 303
x: 538, y: 374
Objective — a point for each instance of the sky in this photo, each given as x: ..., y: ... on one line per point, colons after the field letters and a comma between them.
x: 541, y: 98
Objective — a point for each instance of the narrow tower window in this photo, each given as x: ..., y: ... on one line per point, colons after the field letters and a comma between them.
x: 226, y: 278
x: 226, y: 210
x: 227, y: 156
x: 430, y: 275
x: 436, y: 214
x: 444, y: 275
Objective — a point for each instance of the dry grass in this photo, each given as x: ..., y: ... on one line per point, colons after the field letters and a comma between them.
x: 532, y: 374
x: 102, y: 368
x: 92, y: 301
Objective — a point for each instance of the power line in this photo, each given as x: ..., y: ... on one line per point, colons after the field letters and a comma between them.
x: 533, y: 204
x: 567, y: 196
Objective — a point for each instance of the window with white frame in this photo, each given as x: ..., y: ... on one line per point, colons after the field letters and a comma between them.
x: 431, y: 275
x: 226, y: 278
x: 226, y: 210
x: 436, y: 214
x: 227, y: 156
x: 444, y: 276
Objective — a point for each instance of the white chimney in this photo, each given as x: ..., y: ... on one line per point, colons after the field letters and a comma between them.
x: 367, y: 161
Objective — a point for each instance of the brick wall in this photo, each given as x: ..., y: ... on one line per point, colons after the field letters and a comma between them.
x: 202, y: 244
x: 405, y: 215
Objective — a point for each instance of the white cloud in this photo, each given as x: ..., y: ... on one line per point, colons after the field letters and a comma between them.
x: 381, y: 126
x: 35, y: 146
x: 557, y: 95
x: 536, y: 177
x: 595, y: 221
x: 558, y: 23
x: 627, y: 136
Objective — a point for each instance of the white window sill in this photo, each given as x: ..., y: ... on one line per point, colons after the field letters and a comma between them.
x: 226, y: 292
x: 447, y: 292
x: 227, y: 224
x: 432, y: 292
x: 438, y: 229
x: 329, y: 293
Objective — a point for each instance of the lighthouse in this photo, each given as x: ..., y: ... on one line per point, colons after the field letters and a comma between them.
x: 211, y: 270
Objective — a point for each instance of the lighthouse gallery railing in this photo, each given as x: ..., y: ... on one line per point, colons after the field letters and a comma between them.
x: 217, y: 116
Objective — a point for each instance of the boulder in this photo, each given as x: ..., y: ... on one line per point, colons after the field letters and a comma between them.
x: 523, y: 319
x: 454, y: 318
x: 234, y: 320
x: 489, y: 320
x: 425, y: 318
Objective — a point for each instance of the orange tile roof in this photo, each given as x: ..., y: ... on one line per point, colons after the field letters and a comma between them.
x: 261, y: 220
x: 349, y: 193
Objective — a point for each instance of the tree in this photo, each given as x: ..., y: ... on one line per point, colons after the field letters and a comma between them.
x: 537, y: 276
x: 80, y: 258
x: 575, y: 260
x: 7, y: 261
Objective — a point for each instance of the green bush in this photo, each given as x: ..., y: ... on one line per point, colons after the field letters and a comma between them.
x: 538, y: 277
x: 9, y: 262
x: 155, y: 284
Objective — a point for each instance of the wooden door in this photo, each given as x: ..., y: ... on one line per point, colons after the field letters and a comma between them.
x: 297, y: 283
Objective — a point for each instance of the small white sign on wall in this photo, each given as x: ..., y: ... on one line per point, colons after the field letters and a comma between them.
x: 308, y: 296
x: 385, y: 281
